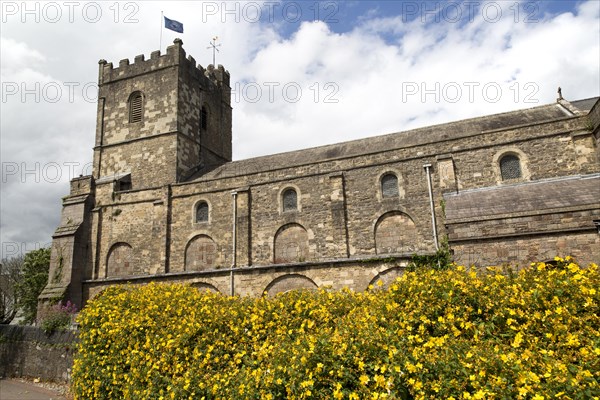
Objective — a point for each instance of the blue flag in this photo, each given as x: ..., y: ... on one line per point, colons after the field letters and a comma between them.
x: 173, y: 25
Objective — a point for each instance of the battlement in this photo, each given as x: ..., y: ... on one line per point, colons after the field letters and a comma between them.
x: 175, y: 56
x: 81, y: 185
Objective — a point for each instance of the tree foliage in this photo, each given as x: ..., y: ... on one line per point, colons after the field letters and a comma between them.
x: 34, y: 278
x: 10, y: 275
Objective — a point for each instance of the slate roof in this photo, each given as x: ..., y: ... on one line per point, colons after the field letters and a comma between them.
x: 540, y: 195
x: 420, y: 136
x: 585, y: 104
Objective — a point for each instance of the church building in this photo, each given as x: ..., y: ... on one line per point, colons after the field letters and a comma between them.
x: 167, y: 203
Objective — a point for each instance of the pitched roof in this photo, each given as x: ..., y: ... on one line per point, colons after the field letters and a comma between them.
x: 538, y: 196
x: 585, y: 104
x: 399, y: 140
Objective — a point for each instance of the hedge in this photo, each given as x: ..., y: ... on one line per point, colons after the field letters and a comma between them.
x: 454, y: 334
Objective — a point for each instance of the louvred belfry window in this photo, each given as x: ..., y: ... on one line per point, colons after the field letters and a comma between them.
x: 136, y: 103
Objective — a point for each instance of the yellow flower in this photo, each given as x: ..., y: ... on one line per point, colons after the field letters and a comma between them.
x: 541, y: 266
x: 479, y: 395
x: 523, y: 391
x: 364, y: 379
x: 518, y: 340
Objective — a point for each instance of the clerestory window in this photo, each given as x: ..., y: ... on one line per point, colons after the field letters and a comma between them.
x: 510, y: 167
x: 290, y: 200
x: 202, y: 212
x: 389, y: 186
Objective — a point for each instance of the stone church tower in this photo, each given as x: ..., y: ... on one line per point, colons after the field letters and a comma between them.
x: 159, y: 121
x: 176, y: 119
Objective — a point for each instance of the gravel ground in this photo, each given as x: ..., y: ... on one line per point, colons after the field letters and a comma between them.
x: 61, y: 388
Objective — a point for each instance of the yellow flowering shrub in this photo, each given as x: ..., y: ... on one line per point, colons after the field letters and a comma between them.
x: 453, y: 334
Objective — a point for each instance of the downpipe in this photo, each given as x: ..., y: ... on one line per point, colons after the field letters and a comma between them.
x: 234, y: 258
x: 433, y: 220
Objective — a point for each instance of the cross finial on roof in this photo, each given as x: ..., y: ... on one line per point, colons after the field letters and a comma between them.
x: 213, y: 46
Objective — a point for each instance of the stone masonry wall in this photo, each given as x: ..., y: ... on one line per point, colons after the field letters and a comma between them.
x: 160, y: 104
x: 529, y: 238
x: 137, y: 218
x: 364, y: 203
x: 523, y: 250
x: 198, y: 146
x: 184, y: 228
x: 29, y: 352
x: 147, y: 149
x: 147, y: 160
x: 500, y: 225
x: 334, y: 275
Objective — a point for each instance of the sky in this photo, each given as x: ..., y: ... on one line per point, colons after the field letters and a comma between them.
x: 303, y: 73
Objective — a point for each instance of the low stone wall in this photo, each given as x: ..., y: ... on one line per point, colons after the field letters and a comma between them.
x: 29, y: 352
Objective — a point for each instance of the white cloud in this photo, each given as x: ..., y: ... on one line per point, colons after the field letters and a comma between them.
x: 17, y: 56
x: 527, y: 62
x: 42, y: 120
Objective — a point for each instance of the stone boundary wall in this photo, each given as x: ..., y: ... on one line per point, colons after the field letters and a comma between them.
x: 27, y: 351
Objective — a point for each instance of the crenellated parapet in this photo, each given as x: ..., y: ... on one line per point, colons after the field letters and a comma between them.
x: 218, y: 75
x: 82, y: 185
x: 175, y: 56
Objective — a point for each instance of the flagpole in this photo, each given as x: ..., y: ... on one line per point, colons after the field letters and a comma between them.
x: 161, y: 29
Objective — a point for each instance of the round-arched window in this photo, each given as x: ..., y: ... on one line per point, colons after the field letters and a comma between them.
x: 389, y: 186
x: 202, y: 212
x: 136, y: 103
x: 290, y: 200
x: 510, y: 167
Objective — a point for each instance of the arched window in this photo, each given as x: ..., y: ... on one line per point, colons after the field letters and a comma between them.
x: 136, y: 105
x: 396, y: 232
x: 290, y: 200
x: 510, y: 167
x: 389, y: 186
x: 204, y: 118
x: 201, y: 254
x: 202, y: 212
x: 120, y: 261
x: 291, y: 244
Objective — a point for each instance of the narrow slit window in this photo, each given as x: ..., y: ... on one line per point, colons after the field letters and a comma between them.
x: 510, y: 167
x: 389, y: 186
x: 204, y: 118
x: 135, y: 107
